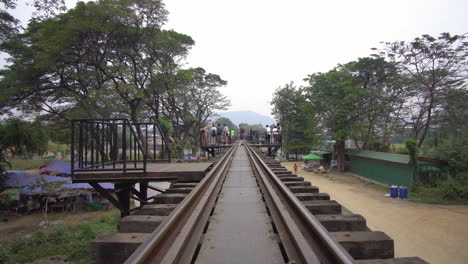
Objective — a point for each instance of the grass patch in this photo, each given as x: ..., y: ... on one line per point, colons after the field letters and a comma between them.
x: 448, y: 192
x: 58, y: 147
x: 29, y: 164
x: 66, y: 242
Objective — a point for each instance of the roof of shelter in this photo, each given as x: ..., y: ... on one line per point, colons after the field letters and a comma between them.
x: 17, y: 179
x: 59, y: 167
x: 312, y: 156
x: 390, y: 157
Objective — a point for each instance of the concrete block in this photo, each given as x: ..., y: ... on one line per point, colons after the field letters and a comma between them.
x: 296, y: 183
x: 366, y: 245
x: 339, y: 222
x: 293, y: 178
x: 169, y: 198
x: 323, y: 207
x: 304, y: 189
x: 140, y: 223
x: 408, y: 260
x: 312, y: 196
x: 155, y: 209
x: 282, y: 173
x: 115, y: 247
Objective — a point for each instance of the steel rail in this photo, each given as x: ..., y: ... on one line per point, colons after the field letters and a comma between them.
x: 175, y: 234
x: 319, y: 235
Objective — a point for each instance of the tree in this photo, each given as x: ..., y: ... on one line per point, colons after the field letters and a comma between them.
x: 46, y: 190
x: 8, y: 24
x: 3, y: 167
x: 98, y: 57
x: 434, y: 66
x: 22, y: 137
x: 192, y: 99
x: 299, y: 127
x: 228, y: 122
x: 335, y: 98
x: 383, y: 96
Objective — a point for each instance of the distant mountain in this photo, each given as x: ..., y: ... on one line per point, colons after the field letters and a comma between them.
x: 248, y: 117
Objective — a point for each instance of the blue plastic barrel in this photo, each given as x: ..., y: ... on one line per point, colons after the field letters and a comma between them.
x: 403, y: 192
x: 394, y: 191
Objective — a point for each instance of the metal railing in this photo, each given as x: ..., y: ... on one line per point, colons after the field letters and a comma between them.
x: 154, y: 142
x: 115, y: 145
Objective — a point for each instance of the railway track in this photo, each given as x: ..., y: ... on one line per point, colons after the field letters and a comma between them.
x: 247, y: 209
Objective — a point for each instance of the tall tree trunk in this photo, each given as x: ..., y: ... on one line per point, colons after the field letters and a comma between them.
x: 339, y: 155
x: 428, y: 122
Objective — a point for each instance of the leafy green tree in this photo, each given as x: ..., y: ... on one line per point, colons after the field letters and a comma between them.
x: 191, y: 100
x: 99, y: 57
x: 435, y: 66
x: 228, y: 122
x: 383, y: 96
x: 4, y: 164
x: 8, y: 24
x: 47, y: 190
x: 299, y: 127
x: 335, y: 98
x: 22, y: 137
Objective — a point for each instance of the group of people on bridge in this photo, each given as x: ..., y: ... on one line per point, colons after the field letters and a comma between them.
x: 218, y: 135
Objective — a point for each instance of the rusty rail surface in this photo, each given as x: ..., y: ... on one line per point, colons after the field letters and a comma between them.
x: 302, y: 237
x: 305, y: 240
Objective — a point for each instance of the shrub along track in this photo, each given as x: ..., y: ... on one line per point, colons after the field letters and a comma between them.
x: 247, y: 209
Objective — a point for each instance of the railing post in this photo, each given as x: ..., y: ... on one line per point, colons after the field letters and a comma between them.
x: 124, y: 145
x: 72, y: 147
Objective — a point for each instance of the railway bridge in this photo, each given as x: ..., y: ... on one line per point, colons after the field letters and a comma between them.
x: 243, y: 207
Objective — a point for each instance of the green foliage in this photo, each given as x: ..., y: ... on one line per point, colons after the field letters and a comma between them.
x: 23, y: 137
x: 451, y: 191
x: 228, y: 122
x: 67, y: 242
x: 29, y: 164
x: 412, y: 147
x: 4, y: 163
x: 434, y: 67
x: 178, y: 146
x: 295, y: 115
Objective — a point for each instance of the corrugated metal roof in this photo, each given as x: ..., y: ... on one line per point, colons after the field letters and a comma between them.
x: 390, y: 157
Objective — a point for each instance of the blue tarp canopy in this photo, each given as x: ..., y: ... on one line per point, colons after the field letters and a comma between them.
x: 58, y: 167
x: 18, y: 179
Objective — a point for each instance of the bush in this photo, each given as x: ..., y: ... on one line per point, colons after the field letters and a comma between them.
x: 450, y: 191
x: 67, y: 242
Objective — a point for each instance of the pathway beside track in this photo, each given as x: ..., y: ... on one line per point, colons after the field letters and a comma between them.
x: 436, y: 233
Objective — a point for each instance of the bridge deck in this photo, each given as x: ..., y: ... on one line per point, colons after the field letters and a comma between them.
x: 240, y: 226
x: 154, y: 171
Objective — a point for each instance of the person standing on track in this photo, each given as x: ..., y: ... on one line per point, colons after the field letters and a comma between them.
x: 242, y: 132
x: 204, y: 135
x: 233, y: 135
x: 278, y: 126
x: 267, y: 134
x: 226, y: 134
x: 213, y: 134
x: 295, y: 168
x: 219, y: 132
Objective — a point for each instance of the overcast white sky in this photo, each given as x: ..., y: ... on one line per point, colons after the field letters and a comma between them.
x: 259, y: 45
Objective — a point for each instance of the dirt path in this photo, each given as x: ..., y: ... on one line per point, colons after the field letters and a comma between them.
x: 436, y: 233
